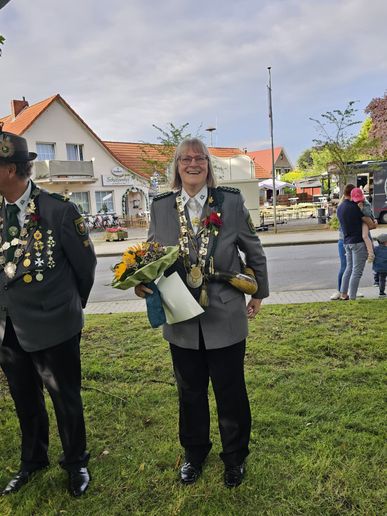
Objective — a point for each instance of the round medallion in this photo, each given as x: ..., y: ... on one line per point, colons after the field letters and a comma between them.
x: 194, y: 277
x: 27, y: 262
x: 39, y: 276
x: 27, y: 278
x: 13, y: 230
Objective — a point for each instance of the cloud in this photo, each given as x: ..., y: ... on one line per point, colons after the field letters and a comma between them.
x: 125, y: 65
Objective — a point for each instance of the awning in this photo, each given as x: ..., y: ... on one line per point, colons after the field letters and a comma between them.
x: 267, y: 184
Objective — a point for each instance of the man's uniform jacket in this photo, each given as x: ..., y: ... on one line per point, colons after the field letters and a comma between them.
x: 48, y: 312
x: 224, y: 321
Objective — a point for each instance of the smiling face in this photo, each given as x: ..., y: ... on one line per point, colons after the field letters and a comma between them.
x: 192, y: 169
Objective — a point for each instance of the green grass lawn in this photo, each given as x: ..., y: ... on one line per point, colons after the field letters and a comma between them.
x: 316, y: 380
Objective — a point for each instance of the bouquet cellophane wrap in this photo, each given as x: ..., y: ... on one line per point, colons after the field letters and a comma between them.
x: 149, y: 272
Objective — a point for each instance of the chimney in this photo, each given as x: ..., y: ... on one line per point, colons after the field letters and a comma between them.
x: 17, y: 106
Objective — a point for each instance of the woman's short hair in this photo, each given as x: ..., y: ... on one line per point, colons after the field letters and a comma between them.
x: 198, y: 146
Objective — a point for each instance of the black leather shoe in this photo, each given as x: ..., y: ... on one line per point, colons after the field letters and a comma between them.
x: 233, y: 475
x: 79, y: 481
x: 19, y: 480
x: 190, y: 472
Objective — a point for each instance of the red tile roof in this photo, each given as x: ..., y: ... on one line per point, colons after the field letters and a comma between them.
x: 26, y: 117
x: 131, y: 154
x: 263, y: 161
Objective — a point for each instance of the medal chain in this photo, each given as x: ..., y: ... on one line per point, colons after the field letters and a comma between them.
x: 186, y: 236
x: 21, y: 242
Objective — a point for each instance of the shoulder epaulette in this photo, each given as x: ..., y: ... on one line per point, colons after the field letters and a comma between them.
x: 59, y: 197
x: 229, y: 189
x: 162, y: 196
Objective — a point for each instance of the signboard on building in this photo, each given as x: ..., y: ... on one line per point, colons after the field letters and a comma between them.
x: 122, y: 181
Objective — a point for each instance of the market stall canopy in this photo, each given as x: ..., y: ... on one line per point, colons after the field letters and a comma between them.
x: 267, y: 184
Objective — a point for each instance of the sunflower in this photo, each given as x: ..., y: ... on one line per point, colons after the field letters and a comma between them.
x: 119, y: 270
x: 129, y: 258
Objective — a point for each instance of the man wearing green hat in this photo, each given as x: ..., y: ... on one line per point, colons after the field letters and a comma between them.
x: 47, y: 265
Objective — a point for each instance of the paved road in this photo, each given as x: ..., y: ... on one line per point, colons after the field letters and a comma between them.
x: 291, y: 268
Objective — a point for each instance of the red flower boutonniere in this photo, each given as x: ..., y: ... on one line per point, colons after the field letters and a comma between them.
x: 34, y: 220
x: 213, y: 222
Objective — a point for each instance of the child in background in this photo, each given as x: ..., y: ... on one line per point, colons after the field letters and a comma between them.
x: 380, y: 263
x: 357, y: 196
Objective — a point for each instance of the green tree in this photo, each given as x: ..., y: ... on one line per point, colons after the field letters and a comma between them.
x: 335, y: 144
x: 295, y: 175
x: 157, y: 157
x: 305, y: 161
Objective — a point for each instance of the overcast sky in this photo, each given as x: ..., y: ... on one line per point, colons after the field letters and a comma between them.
x: 124, y: 65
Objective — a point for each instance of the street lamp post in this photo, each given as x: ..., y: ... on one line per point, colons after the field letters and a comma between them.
x: 210, y: 130
x: 272, y: 153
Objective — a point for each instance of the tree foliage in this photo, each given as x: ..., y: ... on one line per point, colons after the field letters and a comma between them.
x: 377, y: 109
x: 335, y: 146
x: 295, y: 175
x: 157, y: 156
x: 305, y: 161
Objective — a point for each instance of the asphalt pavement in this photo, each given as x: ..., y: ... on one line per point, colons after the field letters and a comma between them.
x: 301, y: 234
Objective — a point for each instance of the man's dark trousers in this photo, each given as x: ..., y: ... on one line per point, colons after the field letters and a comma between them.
x: 58, y: 369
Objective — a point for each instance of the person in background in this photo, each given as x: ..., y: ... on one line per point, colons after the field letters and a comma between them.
x: 380, y: 263
x: 210, y: 224
x: 358, y: 197
x: 47, y: 265
x: 341, y: 250
x: 351, y: 219
x: 340, y: 246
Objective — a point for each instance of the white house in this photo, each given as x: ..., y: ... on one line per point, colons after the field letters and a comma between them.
x: 73, y: 160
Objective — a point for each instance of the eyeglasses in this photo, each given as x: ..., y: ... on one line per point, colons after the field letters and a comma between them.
x: 187, y: 160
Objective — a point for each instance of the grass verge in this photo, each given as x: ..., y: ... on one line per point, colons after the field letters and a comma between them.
x: 315, y: 375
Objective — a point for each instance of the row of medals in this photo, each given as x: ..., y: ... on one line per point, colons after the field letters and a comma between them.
x: 10, y: 267
x: 194, y: 276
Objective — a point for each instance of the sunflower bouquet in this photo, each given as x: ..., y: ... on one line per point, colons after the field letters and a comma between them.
x: 143, y: 263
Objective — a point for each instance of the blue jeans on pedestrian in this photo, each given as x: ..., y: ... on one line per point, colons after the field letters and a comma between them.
x: 343, y: 262
x: 356, y: 256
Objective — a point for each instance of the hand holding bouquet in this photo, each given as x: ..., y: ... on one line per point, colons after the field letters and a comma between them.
x: 143, y: 263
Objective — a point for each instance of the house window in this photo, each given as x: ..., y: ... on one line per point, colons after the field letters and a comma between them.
x: 104, y: 201
x: 74, y: 152
x: 45, y: 151
x: 81, y: 200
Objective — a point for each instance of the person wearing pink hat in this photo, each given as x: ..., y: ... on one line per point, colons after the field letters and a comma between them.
x: 351, y: 220
x: 357, y: 196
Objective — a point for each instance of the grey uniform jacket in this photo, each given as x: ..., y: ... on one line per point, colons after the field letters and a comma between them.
x: 48, y: 312
x: 224, y: 322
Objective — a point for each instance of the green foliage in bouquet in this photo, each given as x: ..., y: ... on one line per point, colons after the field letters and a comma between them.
x: 143, y: 263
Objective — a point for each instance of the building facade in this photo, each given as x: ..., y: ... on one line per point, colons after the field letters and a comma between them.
x: 73, y: 161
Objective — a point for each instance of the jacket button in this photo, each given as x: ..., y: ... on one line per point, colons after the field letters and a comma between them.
x: 5, y: 287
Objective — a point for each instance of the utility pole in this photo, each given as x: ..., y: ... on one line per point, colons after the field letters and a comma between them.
x: 272, y: 152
